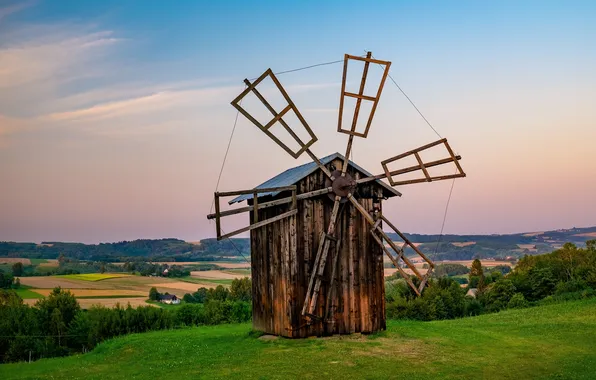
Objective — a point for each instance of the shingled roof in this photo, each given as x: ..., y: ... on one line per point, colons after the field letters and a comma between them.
x: 294, y: 175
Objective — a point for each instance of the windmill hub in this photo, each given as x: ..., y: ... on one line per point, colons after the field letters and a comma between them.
x: 342, y: 185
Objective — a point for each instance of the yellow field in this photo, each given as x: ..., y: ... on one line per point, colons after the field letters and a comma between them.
x: 50, y: 263
x: 93, y: 276
x: 468, y: 263
x: 587, y: 234
x: 107, y: 302
x: 96, y: 292
x: 216, y: 275
x: 12, y: 260
x: 181, y: 287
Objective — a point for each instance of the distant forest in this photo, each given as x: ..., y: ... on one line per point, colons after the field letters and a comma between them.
x: 136, y: 250
x: 446, y: 247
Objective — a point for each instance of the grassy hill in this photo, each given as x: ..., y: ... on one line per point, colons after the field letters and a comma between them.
x: 547, y: 342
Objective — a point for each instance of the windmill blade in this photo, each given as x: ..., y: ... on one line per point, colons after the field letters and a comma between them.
x: 360, y: 96
x: 314, y: 283
x: 379, y: 235
x: 278, y: 117
x: 256, y: 223
x: 422, y: 166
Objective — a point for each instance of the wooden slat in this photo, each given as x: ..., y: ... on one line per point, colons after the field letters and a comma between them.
x: 217, y: 219
x: 395, y: 262
x: 370, y: 60
x: 408, y: 242
x: 250, y: 191
x: 278, y: 118
x: 321, y: 267
x: 360, y: 96
x: 422, y: 166
x: 376, y: 102
x: 437, y: 178
x: 410, y: 152
x: 259, y: 224
x: 343, y: 90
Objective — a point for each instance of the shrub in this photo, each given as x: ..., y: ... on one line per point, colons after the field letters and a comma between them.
x: 518, y: 301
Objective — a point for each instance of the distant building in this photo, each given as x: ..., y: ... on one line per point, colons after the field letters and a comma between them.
x: 169, y: 299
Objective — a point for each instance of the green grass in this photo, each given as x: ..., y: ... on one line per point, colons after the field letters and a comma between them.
x: 205, y: 281
x: 93, y: 276
x: 548, y: 342
x: 38, y: 261
x: 25, y: 293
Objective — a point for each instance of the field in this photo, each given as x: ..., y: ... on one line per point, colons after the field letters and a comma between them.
x: 548, y: 342
x: 93, y: 276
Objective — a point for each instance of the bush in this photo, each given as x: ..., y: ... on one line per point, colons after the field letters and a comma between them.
x: 518, y: 301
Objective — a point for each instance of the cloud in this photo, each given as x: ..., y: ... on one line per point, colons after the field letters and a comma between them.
x: 51, y: 58
x: 147, y: 104
x: 14, y: 8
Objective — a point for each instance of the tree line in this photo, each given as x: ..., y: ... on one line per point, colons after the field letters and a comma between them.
x: 565, y: 274
x: 57, y: 326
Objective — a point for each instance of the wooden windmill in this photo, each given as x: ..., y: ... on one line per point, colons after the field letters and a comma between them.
x: 317, y: 238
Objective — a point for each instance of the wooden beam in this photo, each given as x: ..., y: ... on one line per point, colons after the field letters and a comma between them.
x: 259, y: 224
x: 273, y: 203
x: 438, y: 178
x: 261, y: 190
x: 371, y: 60
x: 343, y: 90
x: 218, y: 218
x: 408, y: 242
x: 395, y: 262
x: 422, y: 166
x: 359, y: 96
x: 410, y: 152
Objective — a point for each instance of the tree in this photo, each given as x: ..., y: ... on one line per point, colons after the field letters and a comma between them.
x: 17, y: 269
x: 153, y: 294
x: 241, y: 289
x: 102, y: 269
x: 476, y: 276
x: 57, y: 325
x: 17, y: 283
x: 476, y: 269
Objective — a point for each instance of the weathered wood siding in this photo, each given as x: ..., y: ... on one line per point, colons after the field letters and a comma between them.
x: 283, y: 255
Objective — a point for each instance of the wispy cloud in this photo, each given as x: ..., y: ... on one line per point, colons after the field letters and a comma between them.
x: 14, y: 8
x: 51, y: 58
x: 147, y: 104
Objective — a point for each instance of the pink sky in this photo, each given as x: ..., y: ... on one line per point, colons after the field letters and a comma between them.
x: 84, y: 158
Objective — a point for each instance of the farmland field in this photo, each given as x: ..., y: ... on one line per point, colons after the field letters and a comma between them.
x: 547, y: 342
x: 12, y: 260
x: 93, y: 276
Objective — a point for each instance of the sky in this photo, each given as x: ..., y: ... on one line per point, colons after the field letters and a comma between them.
x: 115, y: 116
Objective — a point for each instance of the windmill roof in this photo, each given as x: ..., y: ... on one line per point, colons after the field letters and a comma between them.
x: 293, y: 175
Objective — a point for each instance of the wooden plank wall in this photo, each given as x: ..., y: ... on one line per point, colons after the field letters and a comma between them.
x: 283, y: 255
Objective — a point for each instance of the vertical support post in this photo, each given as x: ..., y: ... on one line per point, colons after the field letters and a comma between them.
x: 255, y: 207
x: 217, y: 216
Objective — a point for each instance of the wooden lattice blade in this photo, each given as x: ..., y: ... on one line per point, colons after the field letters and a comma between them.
x: 422, y: 166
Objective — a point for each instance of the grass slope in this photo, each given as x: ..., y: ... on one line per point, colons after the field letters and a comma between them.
x: 548, y: 342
